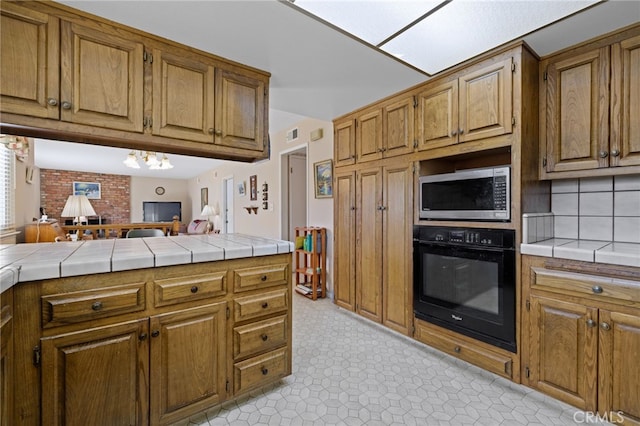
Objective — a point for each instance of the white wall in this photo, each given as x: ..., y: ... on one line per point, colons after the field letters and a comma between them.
x: 144, y: 189
x: 268, y: 223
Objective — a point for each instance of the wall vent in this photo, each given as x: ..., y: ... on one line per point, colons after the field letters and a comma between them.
x: 292, y: 135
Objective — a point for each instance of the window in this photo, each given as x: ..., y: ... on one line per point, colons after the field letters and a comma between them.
x: 7, y: 194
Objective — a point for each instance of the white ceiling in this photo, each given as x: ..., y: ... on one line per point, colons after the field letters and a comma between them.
x: 320, y: 71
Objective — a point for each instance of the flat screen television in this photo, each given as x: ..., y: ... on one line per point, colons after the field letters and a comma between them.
x: 161, y: 211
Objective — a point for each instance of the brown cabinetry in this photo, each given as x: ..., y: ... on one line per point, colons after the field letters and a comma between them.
x: 474, y: 106
x: 582, y: 336
x: 590, y: 100
x: 373, y: 258
x: 344, y: 142
x: 105, y: 81
x: 7, y: 393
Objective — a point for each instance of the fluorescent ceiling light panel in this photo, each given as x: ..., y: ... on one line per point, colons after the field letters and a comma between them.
x: 370, y: 20
x: 463, y: 29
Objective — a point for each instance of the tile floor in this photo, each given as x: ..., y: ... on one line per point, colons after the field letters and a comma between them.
x: 349, y: 371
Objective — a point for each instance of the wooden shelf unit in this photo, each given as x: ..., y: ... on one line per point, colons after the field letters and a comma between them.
x: 311, y: 264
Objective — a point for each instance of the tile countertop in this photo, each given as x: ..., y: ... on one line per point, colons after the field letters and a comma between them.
x: 39, y: 261
x: 627, y: 254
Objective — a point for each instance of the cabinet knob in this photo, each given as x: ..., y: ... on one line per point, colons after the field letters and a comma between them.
x: 591, y: 323
x: 453, y: 133
x: 604, y: 154
x: 142, y: 337
x: 461, y: 131
x: 264, y: 337
x: 211, y: 131
x: 265, y: 305
x: 615, y: 153
x: 263, y: 278
x: 596, y: 289
x: 218, y: 132
x: 605, y: 326
x: 353, y: 208
x: 457, y: 349
x: 155, y: 333
x: 194, y: 289
x: 66, y: 105
x: 52, y: 101
x: 265, y: 371
x: 96, y: 306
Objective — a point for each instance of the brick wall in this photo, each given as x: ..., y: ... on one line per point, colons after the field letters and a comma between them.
x: 114, y: 205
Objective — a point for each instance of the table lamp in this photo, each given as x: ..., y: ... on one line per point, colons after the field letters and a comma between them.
x: 76, y: 207
x: 208, y: 211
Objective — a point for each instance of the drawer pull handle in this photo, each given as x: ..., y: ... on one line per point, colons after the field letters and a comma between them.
x: 264, y: 337
x: 142, y: 337
x: 265, y: 305
x: 605, y: 326
x: 96, y: 306
x: 155, y: 333
x: 265, y: 371
x: 263, y: 278
x: 596, y: 289
x: 194, y: 289
x: 457, y: 349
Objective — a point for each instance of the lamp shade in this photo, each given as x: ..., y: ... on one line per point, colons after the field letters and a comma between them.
x: 208, y: 211
x: 76, y: 206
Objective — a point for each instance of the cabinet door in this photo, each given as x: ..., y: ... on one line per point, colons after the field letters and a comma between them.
x: 369, y: 244
x: 188, y: 359
x: 486, y: 102
x: 7, y: 390
x: 344, y: 208
x: 183, y: 96
x: 577, y: 110
x: 397, y: 249
x: 240, y: 111
x: 619, y: 366
x: 625, y: 103
x: 563, y: 351
x: 438, y: 115
x: 96, y: 377
x: 369, y: 136
x: 29, y: 62
x: 102, y: 78
x: 398, y: 136
x: 344, y: 140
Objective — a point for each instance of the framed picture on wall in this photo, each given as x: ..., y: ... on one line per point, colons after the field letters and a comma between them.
x: 323, y: 178
x: 204, y: 197
x: 241, y: 189
x: 90, y: 189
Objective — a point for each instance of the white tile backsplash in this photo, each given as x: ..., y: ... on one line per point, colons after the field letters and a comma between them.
x: 596, y: 184
x: 565, y: 204
x: 566, y: 227
x: 627, y: 183
x: 595, y: 228
x: 626, y: 229
x: 596, y: 204
x: 626, y: 203
x: 564, y: 185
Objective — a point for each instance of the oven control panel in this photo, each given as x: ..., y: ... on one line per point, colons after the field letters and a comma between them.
x: 465, y: 236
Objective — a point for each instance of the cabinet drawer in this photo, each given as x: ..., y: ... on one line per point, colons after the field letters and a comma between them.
x: 260, y: 370
x: 259, y: 277
x: 259, y: 336
x: 259, y: 305
x: 183, y: 289
x: 69, y: 308
x: 614, y: 290
x: 488, y: 360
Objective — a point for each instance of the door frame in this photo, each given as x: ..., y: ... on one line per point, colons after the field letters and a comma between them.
x: 284, y: 185
x: 224, y: 208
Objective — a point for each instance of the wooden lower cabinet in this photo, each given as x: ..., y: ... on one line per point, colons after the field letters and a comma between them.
x: 146, y: 347
x: 582, y: 337
x: 6, y: 358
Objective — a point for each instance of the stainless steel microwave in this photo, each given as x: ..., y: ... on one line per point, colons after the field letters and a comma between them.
x: 476, y: 194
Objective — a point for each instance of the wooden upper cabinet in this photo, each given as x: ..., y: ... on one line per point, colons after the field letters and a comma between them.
x: 183, y: 96
x: 29, y: 82
x: 344, y: 142
x: 438, y: 112
x: 102, y: 77
x: 475, y: 106
x: 369, y: 135
x: 398, y: 121
x: 577, y: 128
x: 625, y: 103
x: 240, y: 116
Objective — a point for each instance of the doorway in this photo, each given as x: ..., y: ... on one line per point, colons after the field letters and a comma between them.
x: 227, y: 217
x: 294, y: 190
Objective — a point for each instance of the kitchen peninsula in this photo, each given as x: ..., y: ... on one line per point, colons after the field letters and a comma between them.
x: 142, y: 331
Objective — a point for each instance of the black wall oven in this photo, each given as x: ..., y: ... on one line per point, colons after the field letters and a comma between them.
x: 464, y: 280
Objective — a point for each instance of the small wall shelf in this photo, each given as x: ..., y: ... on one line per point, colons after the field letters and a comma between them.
x: 311, y: 262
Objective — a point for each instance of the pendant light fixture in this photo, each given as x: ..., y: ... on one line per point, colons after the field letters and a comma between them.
x: 150, y: 158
